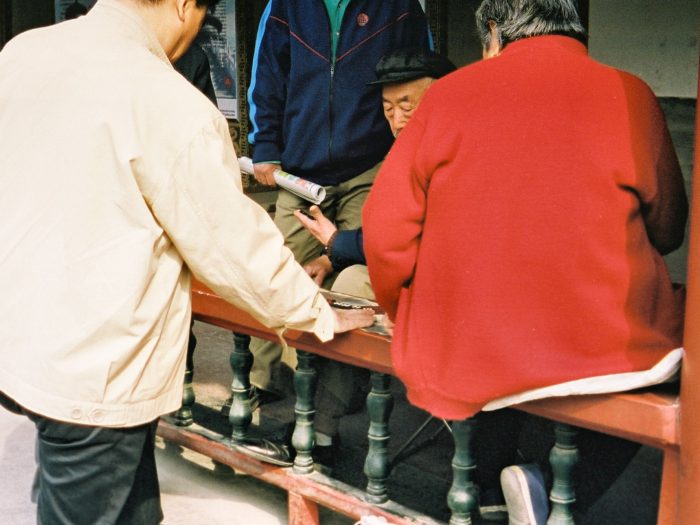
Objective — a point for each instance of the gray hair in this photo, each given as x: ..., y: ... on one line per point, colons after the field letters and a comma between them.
x: 516, y: 19
x: 209, y: 4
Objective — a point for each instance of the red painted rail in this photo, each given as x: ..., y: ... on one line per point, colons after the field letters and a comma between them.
x: 648, y: 417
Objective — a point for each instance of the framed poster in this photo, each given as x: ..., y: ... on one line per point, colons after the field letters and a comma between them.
x: 68, y: 9
x: 218, y: 39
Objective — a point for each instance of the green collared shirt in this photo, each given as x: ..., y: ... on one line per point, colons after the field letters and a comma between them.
x: 336, y: 10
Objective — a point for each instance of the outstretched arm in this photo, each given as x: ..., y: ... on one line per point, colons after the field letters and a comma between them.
x: 230, y: 243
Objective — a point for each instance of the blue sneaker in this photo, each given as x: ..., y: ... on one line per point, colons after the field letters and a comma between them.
x: 525, y: 494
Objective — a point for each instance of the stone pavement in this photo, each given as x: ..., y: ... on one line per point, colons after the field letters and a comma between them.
x: 194, y: 490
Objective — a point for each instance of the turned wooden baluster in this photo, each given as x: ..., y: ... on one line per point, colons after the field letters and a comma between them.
x: 183, y: 417
x: 303, y: 438
x: 241, y: 361
x: 379, y: 406
x: 563, y: 459
x: 462, y: 496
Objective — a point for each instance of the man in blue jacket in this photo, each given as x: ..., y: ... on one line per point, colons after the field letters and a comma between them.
x: 314, y: 115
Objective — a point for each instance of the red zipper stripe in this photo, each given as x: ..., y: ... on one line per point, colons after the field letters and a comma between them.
x: 381, y: 29
x: 300, y: 40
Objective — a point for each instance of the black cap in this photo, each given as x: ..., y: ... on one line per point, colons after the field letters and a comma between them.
x: 405, y: 65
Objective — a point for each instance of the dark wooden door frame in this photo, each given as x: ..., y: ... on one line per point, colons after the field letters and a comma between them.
x: 5, y: 22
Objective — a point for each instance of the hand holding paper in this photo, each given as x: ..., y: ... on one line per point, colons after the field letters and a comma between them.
x: 264, y: 173
x: 303, y: 188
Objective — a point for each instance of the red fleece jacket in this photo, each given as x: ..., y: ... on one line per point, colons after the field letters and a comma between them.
x: 515, y: 230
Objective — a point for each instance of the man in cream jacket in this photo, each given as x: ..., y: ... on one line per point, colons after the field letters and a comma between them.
x: 119, y: 179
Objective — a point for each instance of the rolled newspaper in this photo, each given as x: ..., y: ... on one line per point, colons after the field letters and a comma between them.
x: 303, y: 188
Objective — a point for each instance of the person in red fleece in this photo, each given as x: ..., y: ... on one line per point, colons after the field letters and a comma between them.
x: 516, y: 230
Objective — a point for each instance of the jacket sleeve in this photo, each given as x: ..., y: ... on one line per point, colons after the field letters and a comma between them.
x: 347, y: 249
x: 393, y: 216
x: 268, y: 85
x: 665, y: 216
x: 230, y: 243
x: 660, y: 184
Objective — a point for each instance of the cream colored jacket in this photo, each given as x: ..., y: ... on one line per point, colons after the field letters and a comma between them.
x: 116, y: 177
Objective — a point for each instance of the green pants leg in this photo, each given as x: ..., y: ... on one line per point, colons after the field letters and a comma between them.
x: 342, y: 388
x: 343, y: 204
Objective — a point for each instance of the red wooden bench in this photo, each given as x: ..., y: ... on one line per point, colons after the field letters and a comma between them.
x: 648, y: 417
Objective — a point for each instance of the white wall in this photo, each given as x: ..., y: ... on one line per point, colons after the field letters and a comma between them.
x: 654, y: 39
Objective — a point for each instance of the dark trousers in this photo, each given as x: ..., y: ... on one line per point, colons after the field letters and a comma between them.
x: 495, y: 446
x: 94, y: 475
x: 342, y: 389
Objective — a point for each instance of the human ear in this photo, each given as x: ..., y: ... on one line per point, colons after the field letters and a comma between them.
x: 182, y: 6
x: 494, y: 48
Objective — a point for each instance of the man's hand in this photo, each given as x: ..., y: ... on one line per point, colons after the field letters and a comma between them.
x: 265, y: 173
x: 346, y: 320
x: 320, y: 227
x: 319, y: 269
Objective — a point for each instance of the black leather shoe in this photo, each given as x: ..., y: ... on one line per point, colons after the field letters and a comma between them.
x: 276, y: 448
x: 266, y: 450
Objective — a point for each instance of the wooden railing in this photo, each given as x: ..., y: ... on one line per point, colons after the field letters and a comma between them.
x: 649, y: 417
x: 307, y: 488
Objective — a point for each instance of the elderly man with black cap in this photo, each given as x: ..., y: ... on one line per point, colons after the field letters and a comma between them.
x: 405, y: 75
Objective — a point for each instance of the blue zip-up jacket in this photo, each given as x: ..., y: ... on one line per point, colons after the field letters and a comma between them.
x: 316, y: 117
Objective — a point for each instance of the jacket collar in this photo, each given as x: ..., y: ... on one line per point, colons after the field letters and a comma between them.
x: 119, y: 14
x: 546, y: 42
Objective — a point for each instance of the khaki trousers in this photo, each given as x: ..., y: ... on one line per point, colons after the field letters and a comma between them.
x: 342, y: 388
x: 343, y: 205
